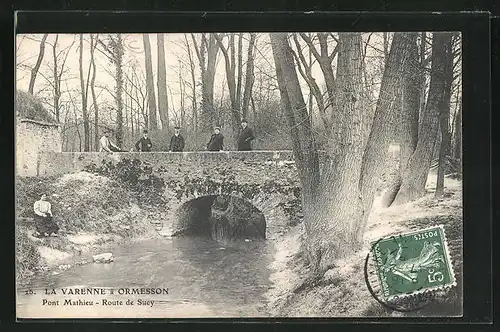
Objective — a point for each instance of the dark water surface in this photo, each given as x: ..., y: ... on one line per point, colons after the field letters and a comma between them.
x: 204, y: 279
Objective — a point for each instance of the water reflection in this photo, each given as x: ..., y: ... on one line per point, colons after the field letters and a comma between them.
x: 213, y: 279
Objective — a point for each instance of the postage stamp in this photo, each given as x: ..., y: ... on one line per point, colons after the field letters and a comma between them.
x: 413, y: 263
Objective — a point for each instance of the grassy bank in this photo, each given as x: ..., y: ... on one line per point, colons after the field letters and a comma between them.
x: 93, y: 212
x: 342, y: 291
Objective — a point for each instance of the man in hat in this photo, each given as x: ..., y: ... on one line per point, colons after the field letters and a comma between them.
x: 144, y: 144
x: 177, y: 141
x: 216, y: 142
x: 106, y: 144
x: 245, y: 137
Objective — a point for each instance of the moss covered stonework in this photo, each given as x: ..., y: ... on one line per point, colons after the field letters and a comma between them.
x: 36, y: 130
x: 266, y: 180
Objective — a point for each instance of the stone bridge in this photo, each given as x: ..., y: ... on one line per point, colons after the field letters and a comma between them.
x: 241, y: 186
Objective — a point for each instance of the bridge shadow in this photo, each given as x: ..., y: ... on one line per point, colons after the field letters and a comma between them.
x: 220, y: 217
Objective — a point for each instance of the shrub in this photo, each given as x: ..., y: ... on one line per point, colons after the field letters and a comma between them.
x: 135, y: 176
x: 30, y: 107
x: 27, y: 255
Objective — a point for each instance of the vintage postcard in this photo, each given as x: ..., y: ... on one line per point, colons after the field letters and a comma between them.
x: 194, y: 175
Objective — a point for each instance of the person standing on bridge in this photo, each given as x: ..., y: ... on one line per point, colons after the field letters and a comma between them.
x: 177, y: 141
x: 106, y: 144
x: 245, y: 137
x: 216, y: 142
x: 144, y: 144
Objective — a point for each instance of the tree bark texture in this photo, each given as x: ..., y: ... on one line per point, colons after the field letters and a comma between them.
x: 444, y: 119
x: 414, y: 175
x: 413, y: 78
x: 207, y: 58
x: 249, y: 76
x: 118, y: 56
x: 162, y: 83
x: 92, y: 91
x: 34, y: 70
x: 86, y: 126
x: 153, y: 123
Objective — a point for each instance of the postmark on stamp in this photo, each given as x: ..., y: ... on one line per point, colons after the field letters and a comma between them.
x: 413, y: 263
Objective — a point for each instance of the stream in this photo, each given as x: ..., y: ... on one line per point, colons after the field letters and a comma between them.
x: 204, y: 279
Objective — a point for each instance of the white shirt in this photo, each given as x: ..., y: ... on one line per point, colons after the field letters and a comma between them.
x: 105, y: 144
x: 42, y: 207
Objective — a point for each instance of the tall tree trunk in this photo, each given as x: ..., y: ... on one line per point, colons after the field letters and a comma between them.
x: 376, y: 153
x: 92, y: 90
x: 413, y: 79
x: 344, y: 148
x: 86, y: 126
x: 207, y: 56
x: 153, y: 123
x: 444, y: 119
x: 414, y: 175
x: 306, y: 74
x: 194, y: 104
x: 240, y: 69
x: 292, y: 101
x: 249, y: 76
x: 34, y: 70
x: 182, y: 91
x: 326, y: 237
x: 385, y: 36
x: 229, y: 58
x: 349, y: 177
x: 162, y: 83
x: 325, y: 62
x: 57, y: 83
x: 457, y: 147
x: 119, y: 51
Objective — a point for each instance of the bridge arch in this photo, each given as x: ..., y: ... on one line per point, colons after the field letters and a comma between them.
x: 268, y: 180
x: 202, y: 214
x: 221, y: 217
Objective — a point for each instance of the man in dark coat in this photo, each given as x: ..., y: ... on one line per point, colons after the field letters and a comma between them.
x: 245, y: 137
x: 144, y: 144
x: 177, y: 141
x: 216, y: 142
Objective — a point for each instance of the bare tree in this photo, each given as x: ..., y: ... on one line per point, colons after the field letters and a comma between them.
x: 182, y: 89
x: 162, y: 82
x: 249, y: 75
x: 207, y: 57
x: 231, y: 76
x: 86, y: 125
x: 114, y: 50
x: 34, y: 70
x: 348, y: 179
x: 413, y: 79
x: 58, y: 69
x: 305, y: 69
x: 153, y: 124
x: 193, y: 84
x: 444, y: 117
x: 414, y: 175
x: 324, y: 58
x: 93, y: 44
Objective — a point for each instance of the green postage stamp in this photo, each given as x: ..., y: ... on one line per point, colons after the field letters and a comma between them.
x: 413, y: 263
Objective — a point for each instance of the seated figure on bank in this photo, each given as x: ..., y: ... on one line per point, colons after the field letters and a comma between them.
x: 44, y: 222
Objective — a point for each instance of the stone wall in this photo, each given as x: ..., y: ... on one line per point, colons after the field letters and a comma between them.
x: 32, y: 138
x: 50, y: 163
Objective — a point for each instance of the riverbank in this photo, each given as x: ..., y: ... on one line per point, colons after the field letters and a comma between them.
x: 342, y: 291
x: 94, y: 214
x: 101, y: 213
